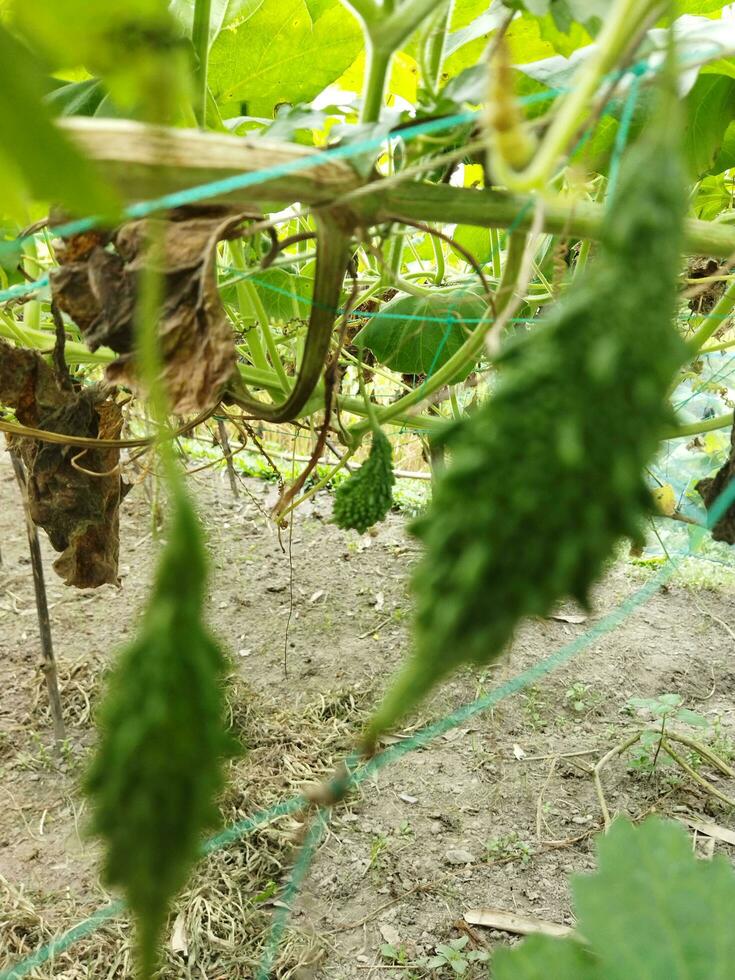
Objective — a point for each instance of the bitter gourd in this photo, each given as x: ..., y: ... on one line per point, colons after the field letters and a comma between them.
x: 547, y: 474
x: 159, y: 764
x: 367, y: 495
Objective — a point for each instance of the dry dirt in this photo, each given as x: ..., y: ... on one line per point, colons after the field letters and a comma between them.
x: 510, y: 788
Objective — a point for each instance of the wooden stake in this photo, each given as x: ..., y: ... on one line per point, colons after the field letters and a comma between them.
x: 224, y: 442
x: 44, y: 622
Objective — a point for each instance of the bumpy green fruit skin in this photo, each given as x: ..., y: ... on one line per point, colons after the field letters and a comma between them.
x: 159, y: 764
x: 546, y: 476
x: 367, y: 496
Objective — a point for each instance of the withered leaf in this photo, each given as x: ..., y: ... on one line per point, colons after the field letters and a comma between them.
x: 97, y: 287
x: 73, y: 494
x: 711, y: 488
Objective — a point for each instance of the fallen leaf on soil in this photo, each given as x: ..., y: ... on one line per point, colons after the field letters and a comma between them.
x: 67, y: 496
x: 179, y: 943
x: 574, y: 618
x: 520, y: 925
x: 518, y: 752
x: 390, y: 934
x: 713, y: 830
x: 96, y: 285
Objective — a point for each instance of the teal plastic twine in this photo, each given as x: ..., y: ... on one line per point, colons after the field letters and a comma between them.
x: 306, y: 855
x: 421, y: 738
x: 621, y: 137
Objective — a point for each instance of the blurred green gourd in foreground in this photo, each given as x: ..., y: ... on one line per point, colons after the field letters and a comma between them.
x: 367, y: 496
x: 547, y: 476
x: 159, y: 764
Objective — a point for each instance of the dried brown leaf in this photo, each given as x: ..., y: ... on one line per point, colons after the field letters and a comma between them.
x: 74, y: 495
x: 99, y: 289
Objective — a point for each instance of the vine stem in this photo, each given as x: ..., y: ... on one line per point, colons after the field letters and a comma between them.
x: 708, y: 323
x: 385, y: 29
x: 262, y: 317
x: 377, y: 69
x: 695, y: 428
x: 432, y: 46
x: 200, y: 41
x: 252, y: 339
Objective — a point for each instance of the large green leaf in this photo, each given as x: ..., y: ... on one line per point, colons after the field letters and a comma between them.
x: 280, y: 55
x: 52, y: 168
x: 418, y: 335
x: 710, y: 110
x: 651, y: 912
x: 725, y: 159
x: 223, y: 14
x: 701, y: 8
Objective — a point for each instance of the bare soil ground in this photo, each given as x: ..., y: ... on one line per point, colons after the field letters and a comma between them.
x: 496, y: 813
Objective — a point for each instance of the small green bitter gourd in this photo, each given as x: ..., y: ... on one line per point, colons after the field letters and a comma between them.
x: 546, y: 476
x: 367, y: 495
x: 159, y: 764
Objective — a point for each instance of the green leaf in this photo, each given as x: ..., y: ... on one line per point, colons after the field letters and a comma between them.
x: 279, y: 55
x: 725, y: 159
x: 280, y: 291
x: 53, y: 168
x: 701, y: 8
x: 417, y: 335
x: 713, y: 196
x: 223, y: 14
x: 76, y: 98
x: 542, y: 958
x: 651, y: 912
x: 710, y: 109
x: 159, y: 764
x: 693, y: 718
x: 475, y: 240
x: 466, y: 41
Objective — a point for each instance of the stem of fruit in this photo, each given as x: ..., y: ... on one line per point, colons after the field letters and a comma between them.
x: 320, y: 485
x: 200, y: 41
x: 619, y: 27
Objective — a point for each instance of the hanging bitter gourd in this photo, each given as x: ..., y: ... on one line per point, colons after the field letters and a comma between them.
x: 367, y: 495
x: 546, y: 476
x: 159, y: 764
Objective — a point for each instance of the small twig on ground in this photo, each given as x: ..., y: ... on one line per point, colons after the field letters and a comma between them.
x: 540, y: 800
x: 44, y: 622
x: 608, y: 757
x: 375, y: 629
